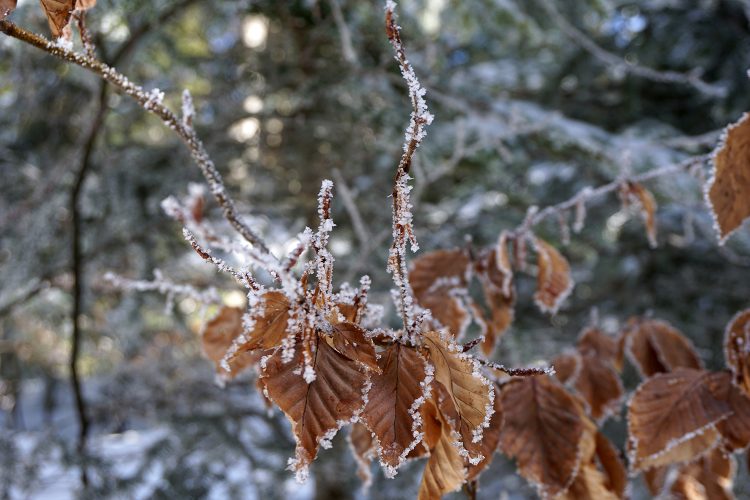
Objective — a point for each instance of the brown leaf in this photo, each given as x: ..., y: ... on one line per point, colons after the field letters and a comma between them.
x: 362, y: 446
x: 470, y: 392
x: 567, y: 366
x: 351, y: 341
x: 737, y: 348
x: 435, y: 278
x: 6, y: 7
x: 490, y: 441
x: 600, y: 386
x: 270, y: 319
x: 504, y: 270
x: 735, y: 429
x: 633, y: 192
x: 710, y: 478
x: 316, y: 410
x: 85, y: 4
x: 612, y: 466
x: 589, y: 484
x: 593, y: 341
x: 393, y: 402
x: 500, y: 298
x: 654, y: 346
x: 58, y: 14
x: 543, y: 430
x: 672, y: 418
x: 554, y: 282
x: 728, y: 192
x: 218, y: 336
x: 444, y: 471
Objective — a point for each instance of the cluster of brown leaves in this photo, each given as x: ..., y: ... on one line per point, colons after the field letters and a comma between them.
x: 683, y: 416
x: 441, y: 280
x: 58, y: 12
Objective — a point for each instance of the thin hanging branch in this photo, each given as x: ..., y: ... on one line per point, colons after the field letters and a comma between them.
x: 153, y: 102
x: 402, y: 216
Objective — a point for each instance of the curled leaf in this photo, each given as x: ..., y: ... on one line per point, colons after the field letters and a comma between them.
x: 490, y: 441
x: 218, y: 336
x: 351, y: 341
x: 499, y: 297
x: 737, y: 348
x: 633, y: 192
x: 544, y: 430
x: 654, y: 346
x: 728, y: 191
x: 439, y: 280
x: 594, y: 342
x: 394, y: 400
x: 735, y: 429
x: 672, y: 418
x: 444, y: 471
x: 362, y: 446
x: 319, y: 409
x: 58, y: 14
x: 554, y: 282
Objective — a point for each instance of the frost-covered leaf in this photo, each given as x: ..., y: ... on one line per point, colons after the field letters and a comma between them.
x: 554, y: 282
x: 85, y: 4
x: 319, y: 409
x: 544, y: 430
x: 633, y: 192
x: 218, y: 336
x: 499, y: 297
x: 471, y: 393
x: 728, y: 192
x: 490, y: 440
x: 672, y: 418
x: 567, y: 366
x: 710, y: 477
x: 438, y: 280
x: 611, y: 465
x: 394, y: 402
x: 363, y: 448
x: 735, y: 429
x: 352, y: 341
x: 589, y: 484
x: 269, y: 320
x: 444, y: 471
x: 593, y: 341
x: 6, y: 7
x: 737, y: 348
x: 58, y: 14
x: 600, y: 386
x: 654, y: 346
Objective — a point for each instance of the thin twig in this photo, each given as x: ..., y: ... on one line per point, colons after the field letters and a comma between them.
x: 152, y: 102
x: 586, y: 43
x: 360, y: 229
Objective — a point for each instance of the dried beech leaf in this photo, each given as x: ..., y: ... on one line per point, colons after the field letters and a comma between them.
x: 85, y: 4
x: 612, y: 466
x: 438, y: 279
x: 710, y: 478
x: 393, y: 403
x: 502, y: 263
x: 58, y: 14
x: 544, y: 431
x: 471, y: 393
x: 672, y: 418
x: 218, y: 336
x: 270, y: 321
x: 654, y: 346
x: 554, y: 282
x: 500, y: 298
x: 737, y: 348
x: 444, y: 471
x: 600, y: 386
x: 728, y: 192
x: 589, y: 484
x: 490, y: 442
x: 567, y: 367
x: 351, y: 341
x: 316, y: 410
x: 363, y: 448
x: 6, y: 7
x: 634, y: 192
x: 735, y: 429
x: 594, y: 342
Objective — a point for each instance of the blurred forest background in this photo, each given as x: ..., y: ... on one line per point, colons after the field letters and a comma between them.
x: 533, y: 101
